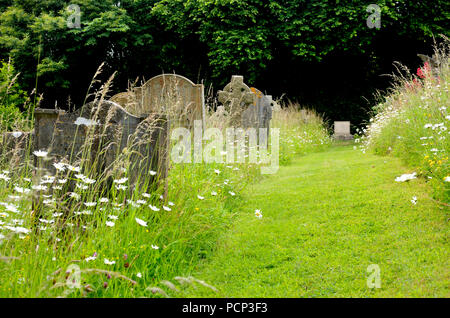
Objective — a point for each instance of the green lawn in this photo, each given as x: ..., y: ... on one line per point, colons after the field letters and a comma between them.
x: 326, y: 218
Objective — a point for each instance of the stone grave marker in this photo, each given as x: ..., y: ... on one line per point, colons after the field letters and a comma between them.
x: 131, y: 101
x: 342, y: 130
x: 98, y: 133
x: 174, y: 95
x: 263, y: 108
x: 240, y: 103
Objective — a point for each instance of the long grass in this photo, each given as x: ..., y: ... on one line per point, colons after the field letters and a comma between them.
x: 413, y: 120
x: 92, y: 241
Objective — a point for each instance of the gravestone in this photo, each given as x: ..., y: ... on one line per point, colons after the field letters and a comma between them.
x: 342, y: 130
x: 275, y: 106
x: 131, y: 101
x: 99, y: 132
x: 247, y: 107
x: 175, y: 95
x: 263, y: 107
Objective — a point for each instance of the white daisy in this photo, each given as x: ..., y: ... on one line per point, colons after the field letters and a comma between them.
x: 154, y: 208
x: 141, y: 222
x: 40, y: 153
x: 108, y: 262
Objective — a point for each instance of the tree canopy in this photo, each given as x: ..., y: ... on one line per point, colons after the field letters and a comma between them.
x: 320, y: 52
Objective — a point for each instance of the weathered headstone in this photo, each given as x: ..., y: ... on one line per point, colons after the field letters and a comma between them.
x: 247, y: 107
x: 175, y: 95
x: 342, y: 130
x: 275, y: 106
x: 131, y: 101
x: 237, y: 99
x: 263, y: 107
x: 171, y: 94
x: 97, y: 134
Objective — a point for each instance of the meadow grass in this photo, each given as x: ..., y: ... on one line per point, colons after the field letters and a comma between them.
x: 412, y: 123
x: 325, y: 219
x: 89, y: 241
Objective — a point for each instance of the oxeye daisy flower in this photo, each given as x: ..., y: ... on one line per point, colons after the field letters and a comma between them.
x: 120, y: 181
x: 74, y: 195
x: 155, y: 247
x: 39, y: 187
x: 40, y: 153
x: 141, y: 222
x: 21, y: 190
x: 90, y: 258
x: 213, y: 193
x: 414, y: 200
x: 217, y: 171
x: 110, y: 223
x: 166, y: 208
x: 232, y: 193
x: 4, y: 177
x: 59, y: 166
x: 108, y: 262
x: 258, y: 214
x: 200, y: 197
x: 81, y: 186
x: 152, y: 173
x: 73, y: 169
x: 139, y: 275
x: 171, y: 203
x: 154, y: 208
x: 88, y: 180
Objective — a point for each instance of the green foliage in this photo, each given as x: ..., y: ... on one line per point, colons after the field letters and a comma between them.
x: 206, y: 39
x: 12, y: 97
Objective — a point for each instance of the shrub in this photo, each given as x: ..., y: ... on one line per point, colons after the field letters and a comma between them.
x: 12, y: 97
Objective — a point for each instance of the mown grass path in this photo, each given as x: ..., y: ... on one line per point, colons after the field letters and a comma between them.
x: 326, y: 218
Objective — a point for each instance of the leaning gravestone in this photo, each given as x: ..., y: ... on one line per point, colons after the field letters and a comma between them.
x: 342, y: 130
x: 131, y: 101
x: 97, y: 134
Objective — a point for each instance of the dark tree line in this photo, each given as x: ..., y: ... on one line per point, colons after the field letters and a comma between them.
x: 321, y: 52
